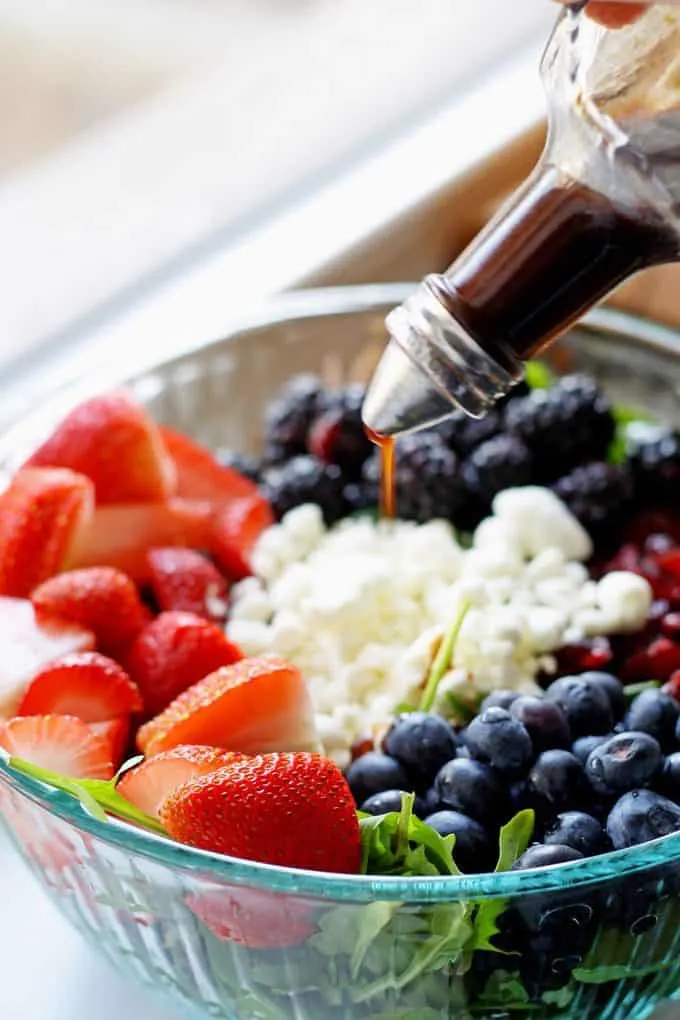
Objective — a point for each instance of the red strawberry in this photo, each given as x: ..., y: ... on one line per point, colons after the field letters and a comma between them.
x: 86, y: 685
x: 149, y: 784
x: 121, y: 536
x: 257, y: 705
x: 116, y: 733
x: 60, y: 743
x: 200, y: 475
x: 255, y: 918
x: 186, y: 580
x: 236, y: 529
x: 27, y: 644
x: 42, y: 513
x: 303, y: 798
x: 172, y: 653
x: 102, y: 599
x: 113, y: 441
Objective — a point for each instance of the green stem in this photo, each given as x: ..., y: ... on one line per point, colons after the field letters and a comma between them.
x: 442, y: 662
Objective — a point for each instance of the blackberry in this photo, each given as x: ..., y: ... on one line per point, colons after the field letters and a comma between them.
x: 426, y: 476
x: 464, y: 434
x: 654, y: 457
x: 338, y: 435
x: 290, y: 415
x: 359, y: 497
x: 248, y: 466
x: 305, y: 480
x: 563, y: 426
x: 503, y: 462
x: 597, y: 494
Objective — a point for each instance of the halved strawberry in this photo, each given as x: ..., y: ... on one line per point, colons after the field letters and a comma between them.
x: 87, y: 685
x: 187, y: 580
x: 256, y: 918
x: 121, y: 535
x: 60, y: 743
x: 42, y: 513
x: 103, y: 599
x: 116, y: 733
x: 149, y: 784
x: 173, y: 652
x: 199, y: 473
x: 256, y: 705
x: 113, y: 441
x: 236, y: 529
x: 27, y: 644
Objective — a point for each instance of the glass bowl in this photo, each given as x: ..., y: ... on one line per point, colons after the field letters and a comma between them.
x: 239, y: 941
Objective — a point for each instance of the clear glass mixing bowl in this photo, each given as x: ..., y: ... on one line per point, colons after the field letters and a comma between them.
x: 600, y: 937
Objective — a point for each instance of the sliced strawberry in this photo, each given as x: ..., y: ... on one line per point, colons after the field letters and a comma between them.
x: 199, y: 473
x: 121, y: 536
x: 102, y: 599
x: 236, y: 529
x: 113, y: 441
x: 42, y: 513
x: 255, y: 918
x: 188, y: 581
x: 116, y: 733
x: 149, y: 784
x: 60, y: 743
x: 172, y: 653
x: 235, y: 810
x: 86, y: 685
x: 27, y: 644
x: 256, y: 705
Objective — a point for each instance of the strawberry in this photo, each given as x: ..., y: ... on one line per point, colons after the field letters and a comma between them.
x: 113, y: 441
x: 149, y: 784
x: 116, y: 733
x: 187, y: 580
x: 172, y: 653
x: 42, y: 513
x: 255, y: 918
x: 200, y: 475
x: 256, y: 705
x: 86, y: 685
x: 236, y: 529
x: 121, y: 535
x: 60, y: 743
x: 102, y: 599
x: 27, y: 644
x: 302, y: 798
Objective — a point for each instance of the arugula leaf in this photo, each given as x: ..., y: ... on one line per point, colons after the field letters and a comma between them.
x: 538, y: 376
x: 632, y: 690
x: 98, y: 796
x: 626, y: 419
x: 401, y: 844
x: 442, y: 662
x: 513, y: 840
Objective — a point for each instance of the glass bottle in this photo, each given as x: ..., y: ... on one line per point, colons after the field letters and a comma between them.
x: 602, y: 204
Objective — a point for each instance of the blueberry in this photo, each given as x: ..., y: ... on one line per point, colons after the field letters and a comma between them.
x: 498, y: 699
x: 655, y: 713
x: 626, y: 761
x: 556, y: 781
x: 669, y: 781
x: 375, y: 773
x: 421, y: 743
x: 383, y: 803
x: 578, y: 830
x: 640, y: 816
x: 429, y: 803
x: 613, y: 687
x: 586, y: 705
x: 544, y: 721
x: 472, y: 788
x: 542, y: 856
x: 584, y: 745
x: 473, y: 851
x: 501, y: 741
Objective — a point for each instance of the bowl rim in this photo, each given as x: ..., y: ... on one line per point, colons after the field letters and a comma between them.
x: 290, y: 307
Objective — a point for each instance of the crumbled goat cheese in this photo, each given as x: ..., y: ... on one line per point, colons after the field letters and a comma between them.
x: 362, y: 607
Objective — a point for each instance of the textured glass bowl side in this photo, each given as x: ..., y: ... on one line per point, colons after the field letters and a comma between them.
x: 138, y: 898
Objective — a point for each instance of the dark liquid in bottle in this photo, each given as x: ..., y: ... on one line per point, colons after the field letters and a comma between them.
x: 558, y: 251
x: 388, y: 499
